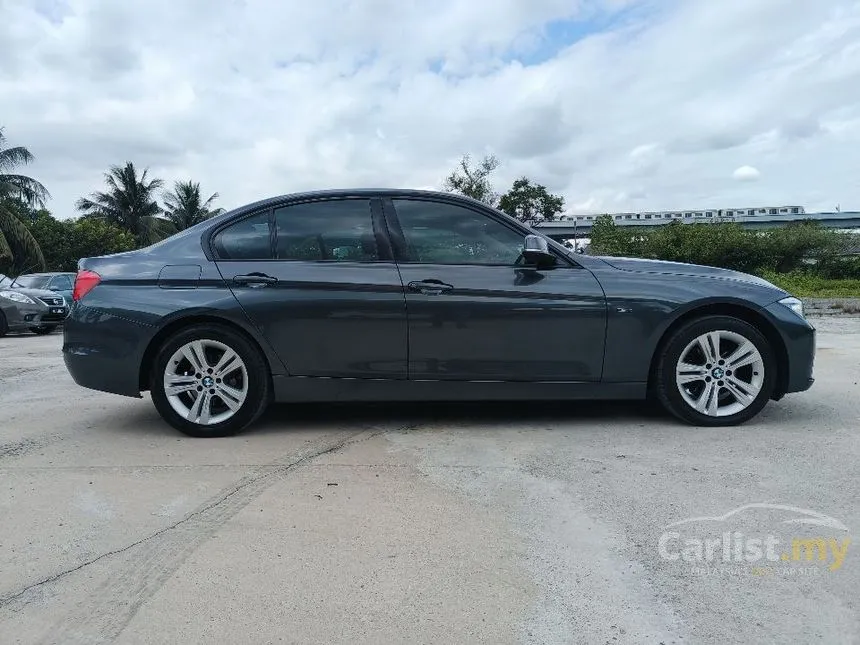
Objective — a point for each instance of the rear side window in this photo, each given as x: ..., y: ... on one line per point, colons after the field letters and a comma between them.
x: 331, y: 230
x: 247, y: 239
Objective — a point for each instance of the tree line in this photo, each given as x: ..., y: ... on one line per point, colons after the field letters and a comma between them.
x: 132, y: 211
x: 799, y: 247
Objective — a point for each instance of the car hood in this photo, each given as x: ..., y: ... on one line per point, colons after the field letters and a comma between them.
x: 34, y: 293
x: 680, y: 268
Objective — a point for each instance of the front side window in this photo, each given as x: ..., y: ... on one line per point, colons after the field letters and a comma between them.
x: 440, y: 233
x: 247, y: 239
x: 339, y: 230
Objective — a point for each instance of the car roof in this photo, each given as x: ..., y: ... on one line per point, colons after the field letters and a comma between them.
x: 349, y: 192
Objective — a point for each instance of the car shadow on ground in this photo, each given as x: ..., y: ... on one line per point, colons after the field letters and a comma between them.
x: 142, y: 418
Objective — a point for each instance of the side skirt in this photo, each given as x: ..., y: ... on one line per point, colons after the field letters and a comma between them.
x: 305, y: 389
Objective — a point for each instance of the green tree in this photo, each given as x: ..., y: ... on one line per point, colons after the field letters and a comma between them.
x: 128, y: 203
x: 184, y: 206
x: 18, y: 194
x: 474, y: 180
x: 66, y: 241
x: 531, y: 203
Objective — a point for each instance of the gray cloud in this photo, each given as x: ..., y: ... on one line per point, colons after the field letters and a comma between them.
x: 199, y: 89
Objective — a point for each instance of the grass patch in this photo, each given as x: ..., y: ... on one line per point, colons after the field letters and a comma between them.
x: 807, y: 285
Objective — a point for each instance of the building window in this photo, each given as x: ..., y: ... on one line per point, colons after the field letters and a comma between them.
x: 773, y: 211
x: 783, y: 210
x: 795, y: 210
x: 647, y: 217
x: 708, y: 215
x: 628, y: 217
x: 752, y: 211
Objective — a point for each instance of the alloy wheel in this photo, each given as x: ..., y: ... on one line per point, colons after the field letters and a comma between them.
x: 206, y: 382
x: 720, y: 373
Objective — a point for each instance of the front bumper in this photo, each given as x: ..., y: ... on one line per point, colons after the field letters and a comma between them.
x: 24, y: 316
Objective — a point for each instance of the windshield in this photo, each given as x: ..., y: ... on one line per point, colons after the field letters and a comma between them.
x: 32, y: 281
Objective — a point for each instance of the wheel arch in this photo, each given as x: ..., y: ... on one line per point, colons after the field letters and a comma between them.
x: 755, y: 318
x: 179, y: 324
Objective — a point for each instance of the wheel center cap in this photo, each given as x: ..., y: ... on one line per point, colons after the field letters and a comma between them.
x: 717, y: 372
x: 208, y: 381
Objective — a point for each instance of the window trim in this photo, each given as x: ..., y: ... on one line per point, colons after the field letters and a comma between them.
x: 401, y: 249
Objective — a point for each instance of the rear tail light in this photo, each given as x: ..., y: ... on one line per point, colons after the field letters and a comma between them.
x: 85, y: 282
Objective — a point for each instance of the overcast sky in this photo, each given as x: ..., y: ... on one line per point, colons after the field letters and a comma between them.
x: 616, y: 104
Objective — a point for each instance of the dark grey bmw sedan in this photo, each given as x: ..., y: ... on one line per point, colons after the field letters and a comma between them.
x: 411, y: 295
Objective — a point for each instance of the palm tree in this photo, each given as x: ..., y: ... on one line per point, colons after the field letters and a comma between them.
x: 18, y: 248
x: 184, y: 206
x: 128, y: 203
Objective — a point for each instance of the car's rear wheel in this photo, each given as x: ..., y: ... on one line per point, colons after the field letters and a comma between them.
x: 716, y: 371
x: 209, y: 381
x: 43, y: 329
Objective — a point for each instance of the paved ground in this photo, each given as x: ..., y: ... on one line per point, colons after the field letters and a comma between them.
x: 433, y: 524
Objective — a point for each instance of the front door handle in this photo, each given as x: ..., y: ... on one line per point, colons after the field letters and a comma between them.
x: 254, y: 279
x: 430, y: 287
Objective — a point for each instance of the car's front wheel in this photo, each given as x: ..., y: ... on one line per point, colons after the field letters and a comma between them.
x: 716, y: 371
x: 209, y: 381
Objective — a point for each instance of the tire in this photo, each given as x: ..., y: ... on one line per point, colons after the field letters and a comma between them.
x: 41, y: 330
x: 686, y: 389
x: 4, y: 326
x: 248, y: 374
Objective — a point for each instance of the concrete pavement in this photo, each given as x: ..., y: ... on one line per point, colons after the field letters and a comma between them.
x: 408, y: 524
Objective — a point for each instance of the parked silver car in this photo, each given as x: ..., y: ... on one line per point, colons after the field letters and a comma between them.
x: 36, y: 310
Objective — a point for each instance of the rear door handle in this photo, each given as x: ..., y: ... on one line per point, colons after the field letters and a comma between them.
x: 430, y: 287
x: 255, y: 279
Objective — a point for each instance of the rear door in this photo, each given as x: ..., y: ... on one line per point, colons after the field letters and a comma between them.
x: 475, y: 314
x: 319, y: 280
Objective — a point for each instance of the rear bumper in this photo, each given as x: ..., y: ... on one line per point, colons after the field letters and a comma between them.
x: 103, y: 352
x: 798, y: 336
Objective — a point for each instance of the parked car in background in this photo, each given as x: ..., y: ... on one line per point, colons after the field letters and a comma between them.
x: 58, y: 282
x: 37, y: 310
x: 414, y: 295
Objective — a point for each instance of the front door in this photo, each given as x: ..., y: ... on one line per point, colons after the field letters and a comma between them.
x: 474, y: 314
x: 317, y: 278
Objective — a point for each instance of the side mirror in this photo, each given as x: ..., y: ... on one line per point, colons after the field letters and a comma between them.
x: 536, y: 252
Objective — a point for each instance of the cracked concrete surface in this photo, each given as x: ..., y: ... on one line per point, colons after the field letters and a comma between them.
x: 403, y: 524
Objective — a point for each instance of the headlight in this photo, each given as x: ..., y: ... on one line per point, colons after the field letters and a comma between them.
x: 794, y: 304
x: 17, y: 297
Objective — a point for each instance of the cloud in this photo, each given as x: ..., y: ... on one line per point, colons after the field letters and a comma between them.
x: 617, y: 104
x: 746, y: 173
